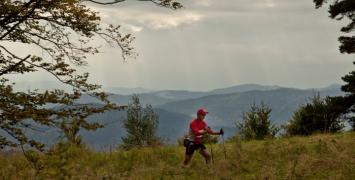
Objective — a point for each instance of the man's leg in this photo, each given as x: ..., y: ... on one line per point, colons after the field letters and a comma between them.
x: 188, y: 153
x: 206, y: 155
x: 187, y: 159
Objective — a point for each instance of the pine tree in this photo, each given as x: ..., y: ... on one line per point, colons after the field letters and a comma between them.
x: 141, y: 125
x: 348, y: 100
x: 256, y: 123
x: 339, y: 10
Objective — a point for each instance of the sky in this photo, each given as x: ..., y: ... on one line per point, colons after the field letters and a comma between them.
x: 213, y: 44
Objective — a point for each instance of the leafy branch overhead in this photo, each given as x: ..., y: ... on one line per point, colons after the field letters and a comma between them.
x: 62, y: 32
x: 165, y: 3
x: 339, y: 10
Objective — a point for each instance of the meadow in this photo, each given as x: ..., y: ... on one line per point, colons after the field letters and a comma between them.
x: 330, y: 156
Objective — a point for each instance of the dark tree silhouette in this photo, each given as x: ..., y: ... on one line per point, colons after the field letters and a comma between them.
x: 339, y: 10
x: 63, y: 30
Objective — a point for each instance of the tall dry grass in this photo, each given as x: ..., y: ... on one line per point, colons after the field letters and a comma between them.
x: 314, y: 157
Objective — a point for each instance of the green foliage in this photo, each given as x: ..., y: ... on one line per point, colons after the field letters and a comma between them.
x: 328, y: 156
x: 141, y: 125
x: 348, y: 101
x: 71, y: 125
x: 34, y: 158
x: 339, y: 10
x: 51, y: 27
x: 209, y: 139
x: 256, y: 123
x: 349, y: 87
x: 352, y: 122
x: 63, y: 32
x: 320, y: 115
x: 62, y: 158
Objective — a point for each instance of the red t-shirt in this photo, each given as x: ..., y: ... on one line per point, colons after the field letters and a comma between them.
x: 195, y: 126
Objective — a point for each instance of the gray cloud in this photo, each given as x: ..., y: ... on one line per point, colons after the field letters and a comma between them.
x: 211, y: 44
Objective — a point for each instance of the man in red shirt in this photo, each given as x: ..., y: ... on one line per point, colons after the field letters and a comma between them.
x: 198, y: 128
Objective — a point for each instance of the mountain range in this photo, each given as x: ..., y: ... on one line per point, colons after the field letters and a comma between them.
x: 177, y: 108
x: 226, y: 106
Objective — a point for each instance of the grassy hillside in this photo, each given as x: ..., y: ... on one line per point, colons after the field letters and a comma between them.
x: 315, y: 157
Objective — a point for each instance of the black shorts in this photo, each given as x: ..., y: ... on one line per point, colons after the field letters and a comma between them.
x: 190, y: 149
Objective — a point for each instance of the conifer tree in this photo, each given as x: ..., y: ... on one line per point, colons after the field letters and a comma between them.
x: 141, y: 125
x: 340, y: 10
x: 256, y: 123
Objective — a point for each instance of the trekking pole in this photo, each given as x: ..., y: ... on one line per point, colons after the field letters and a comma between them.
x: 209, y: 139
x: 224, y: 148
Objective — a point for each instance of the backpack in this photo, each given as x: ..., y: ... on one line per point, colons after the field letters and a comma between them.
x: 187, y: 142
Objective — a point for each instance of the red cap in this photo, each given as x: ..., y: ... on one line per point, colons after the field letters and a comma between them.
x: 202, y: 111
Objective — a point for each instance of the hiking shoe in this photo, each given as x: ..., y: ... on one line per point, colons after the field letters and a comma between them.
x: 183, y: 166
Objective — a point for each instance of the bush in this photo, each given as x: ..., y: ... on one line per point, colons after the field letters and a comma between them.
x: 256, y: 123
x: 141, y: 125
x: 320, y: 115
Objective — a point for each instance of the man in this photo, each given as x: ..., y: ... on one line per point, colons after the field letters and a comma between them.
x: 198, y: 128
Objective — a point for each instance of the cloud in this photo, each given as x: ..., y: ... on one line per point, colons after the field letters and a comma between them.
x: 244, y: 49
x: 138, y: 19
x: 165, y: 21
x: 133, y: 28
x: 255, y: 6
x: 282, y: 42
x: 204, y: 3
x: 269, y: 3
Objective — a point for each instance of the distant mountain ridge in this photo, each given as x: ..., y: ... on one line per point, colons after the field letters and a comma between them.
x: 127, y: 91
x: 225, y: 110
x: 165, y: 96
x: 228, y: 108
x: 243, y: 88
x: 177, y: 108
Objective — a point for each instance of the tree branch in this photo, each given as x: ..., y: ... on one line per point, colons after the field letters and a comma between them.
x: 14, y: 66
x: 106, y: 3
x: 21, y: 20
x: 164, y: 3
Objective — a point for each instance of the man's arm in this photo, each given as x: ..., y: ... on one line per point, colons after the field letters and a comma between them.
x: 210, y: 131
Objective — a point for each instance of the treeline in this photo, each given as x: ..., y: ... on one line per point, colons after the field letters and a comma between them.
x: 320, y: 115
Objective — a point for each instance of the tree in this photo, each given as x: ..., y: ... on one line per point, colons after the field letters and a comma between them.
x: 320, y: 115
x: 141, y: 125
x: 70, y: 124
x: 63, y: 30
x: 339, y: 10
x: 256, y: 123
x: 348, y: 101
